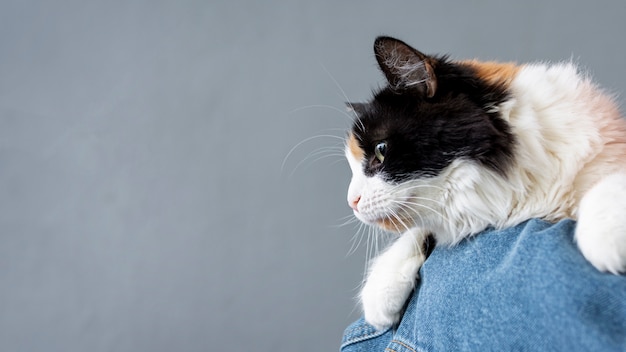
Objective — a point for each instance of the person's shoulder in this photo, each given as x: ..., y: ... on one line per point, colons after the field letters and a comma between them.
x: 527, y: 286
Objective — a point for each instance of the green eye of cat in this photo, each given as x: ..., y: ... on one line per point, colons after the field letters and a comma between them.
x: 380, y: 150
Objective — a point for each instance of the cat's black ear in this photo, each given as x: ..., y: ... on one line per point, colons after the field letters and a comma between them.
x: 358, y: 108
x: 405, y: 67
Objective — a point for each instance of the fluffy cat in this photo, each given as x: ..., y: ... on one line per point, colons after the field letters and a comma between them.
x: 450, y: 148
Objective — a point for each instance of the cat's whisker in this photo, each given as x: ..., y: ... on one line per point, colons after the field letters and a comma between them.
x: 368, y: 251
x: 376, y: 236
x: 401, y: 224
x: 438, y: 202
x: 375, y: 244
x: 350, y: 217
x: 420, y: 217
x: 405, y: 187
x: 315, y: 106
x: 325, y: 152
x: 339, y: 160
x: 356, y: 240
x: 293, y: 149
x: 414, y: 240
x: 404, y: 224
x: 381, y: 238
x: 411, y: 204
x: 346, y: 223
x: 343, y: 92
x: 391, y: 218
x: 357, y: 118
x: 410, y: 199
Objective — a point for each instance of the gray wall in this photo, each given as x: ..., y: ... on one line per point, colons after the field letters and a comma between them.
x: 144, y: 205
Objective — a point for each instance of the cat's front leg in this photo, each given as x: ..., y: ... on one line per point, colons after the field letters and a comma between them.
x: 601, y: 227
x: 392, y: 278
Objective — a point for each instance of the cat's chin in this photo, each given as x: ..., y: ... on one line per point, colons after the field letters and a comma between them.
x: 392, y: 225
x: 388, y: 223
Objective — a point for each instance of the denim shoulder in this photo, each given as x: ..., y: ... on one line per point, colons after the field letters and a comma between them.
x: 361, y: 337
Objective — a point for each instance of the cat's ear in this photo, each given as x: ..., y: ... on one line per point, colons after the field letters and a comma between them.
x: 405, y: 67
x: 358, y: 108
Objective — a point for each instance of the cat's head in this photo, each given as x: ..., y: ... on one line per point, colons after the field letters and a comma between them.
x: 423, y: 137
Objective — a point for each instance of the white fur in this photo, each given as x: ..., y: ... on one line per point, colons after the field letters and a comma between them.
x: 601, y: 227
x: 569, y: 137
x: 391, y: 279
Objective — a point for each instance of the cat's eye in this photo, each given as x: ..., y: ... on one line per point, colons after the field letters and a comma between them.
x: 380, y: 150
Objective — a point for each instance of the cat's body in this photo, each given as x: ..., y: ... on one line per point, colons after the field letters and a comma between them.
x: 451, y: 148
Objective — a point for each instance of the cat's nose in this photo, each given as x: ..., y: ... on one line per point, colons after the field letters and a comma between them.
x: 354, y: 203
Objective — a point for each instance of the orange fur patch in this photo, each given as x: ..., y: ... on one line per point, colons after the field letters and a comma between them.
x: 355, y: 148
x: 395, y: 225
x: 610, y: 156
x: 495, y: 73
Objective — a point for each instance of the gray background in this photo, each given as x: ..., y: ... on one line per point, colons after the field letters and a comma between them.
x: 144, y: 204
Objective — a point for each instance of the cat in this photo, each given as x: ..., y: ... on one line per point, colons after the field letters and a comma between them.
x: 448, y: 148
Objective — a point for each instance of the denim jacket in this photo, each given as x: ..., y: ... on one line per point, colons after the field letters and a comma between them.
x: 526, y: 288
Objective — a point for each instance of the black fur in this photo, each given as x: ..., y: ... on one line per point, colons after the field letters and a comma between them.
x: 425, y: 134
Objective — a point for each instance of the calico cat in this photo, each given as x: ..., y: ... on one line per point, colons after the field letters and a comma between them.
x: 448, y: 148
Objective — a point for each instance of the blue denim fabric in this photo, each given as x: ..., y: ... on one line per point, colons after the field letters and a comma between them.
x: 526, y: 288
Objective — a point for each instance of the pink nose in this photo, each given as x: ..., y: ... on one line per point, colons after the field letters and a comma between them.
x: 354, y: 203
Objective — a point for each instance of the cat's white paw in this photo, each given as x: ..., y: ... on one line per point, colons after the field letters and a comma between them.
x: 601, y: 227
x: 386, y: 291
x: 390, y: 282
